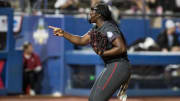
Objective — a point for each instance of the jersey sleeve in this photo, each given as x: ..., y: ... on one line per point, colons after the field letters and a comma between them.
x: 37, y: 60
x: 90, y: 30
x: 112, y: 32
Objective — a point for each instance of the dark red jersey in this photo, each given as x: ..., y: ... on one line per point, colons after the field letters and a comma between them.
x: 32, y: 62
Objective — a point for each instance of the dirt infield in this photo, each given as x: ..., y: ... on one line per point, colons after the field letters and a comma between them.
x: 72, y: 98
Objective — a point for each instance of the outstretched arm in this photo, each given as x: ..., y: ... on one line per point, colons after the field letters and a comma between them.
x: 75, y: 39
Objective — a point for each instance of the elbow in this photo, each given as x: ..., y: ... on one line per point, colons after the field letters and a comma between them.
x: 82, y: 42
x: 122, y: 50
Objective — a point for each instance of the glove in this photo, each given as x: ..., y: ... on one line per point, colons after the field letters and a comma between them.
x: 99, y: 42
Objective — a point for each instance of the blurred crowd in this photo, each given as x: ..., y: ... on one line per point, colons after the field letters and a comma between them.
x: 167, y: 40
x: 123, y: 6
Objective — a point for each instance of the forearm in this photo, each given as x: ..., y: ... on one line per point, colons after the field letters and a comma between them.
x: 113, y: 52
x: 75, y: 39
x: 78, y: 40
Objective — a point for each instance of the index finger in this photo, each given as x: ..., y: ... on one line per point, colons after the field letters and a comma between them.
x: 52, y: 27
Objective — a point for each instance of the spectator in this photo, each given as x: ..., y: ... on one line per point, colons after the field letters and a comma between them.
x: 30, y: 6
x: 4, y: 4
x: 67, y: 4
x: 169, y: 5
x: 155, y: 6
x: 1, y: 70
x: 178, y: 28
x: 138, y: 7
x: 93, y: 2
x: 141, y: 6
x: 168, y: 39
x: 152, y: 3
x: 32, y: 70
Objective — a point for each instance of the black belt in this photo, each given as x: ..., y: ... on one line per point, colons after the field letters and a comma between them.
x: 115, y: 60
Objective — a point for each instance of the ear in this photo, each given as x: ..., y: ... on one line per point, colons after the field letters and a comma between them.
x: 97, y: 15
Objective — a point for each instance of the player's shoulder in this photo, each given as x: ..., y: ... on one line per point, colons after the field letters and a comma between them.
x: 109, y: 26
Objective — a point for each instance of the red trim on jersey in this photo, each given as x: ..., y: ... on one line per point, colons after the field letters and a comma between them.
x: 32, y: 62
x: 109, y: 78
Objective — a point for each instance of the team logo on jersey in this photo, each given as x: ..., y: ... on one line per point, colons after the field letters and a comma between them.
x: 109, y: 34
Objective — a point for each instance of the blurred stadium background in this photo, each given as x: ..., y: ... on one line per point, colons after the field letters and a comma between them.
x: 69, y: 71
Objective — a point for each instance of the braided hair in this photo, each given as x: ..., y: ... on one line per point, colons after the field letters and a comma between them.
x: 103, y: 9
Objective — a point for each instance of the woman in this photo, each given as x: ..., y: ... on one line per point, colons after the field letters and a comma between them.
x: 107, y: 41
x: 32, y: 70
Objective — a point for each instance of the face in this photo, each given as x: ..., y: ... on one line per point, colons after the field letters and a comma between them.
x: 93, y: 16
x: 29, y: 49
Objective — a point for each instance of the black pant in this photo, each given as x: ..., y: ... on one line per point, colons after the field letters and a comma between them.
x: 109, y: 81
x: 32, y: 79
